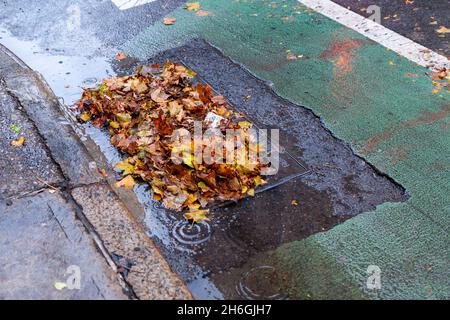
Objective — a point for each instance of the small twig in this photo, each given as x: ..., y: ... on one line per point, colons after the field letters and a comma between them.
x: 48, y: 185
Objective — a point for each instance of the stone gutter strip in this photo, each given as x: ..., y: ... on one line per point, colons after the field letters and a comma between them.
x: 150, y: 275
x: 115, y: 230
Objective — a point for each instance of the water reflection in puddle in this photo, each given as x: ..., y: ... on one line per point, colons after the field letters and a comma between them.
x: 66, y: 74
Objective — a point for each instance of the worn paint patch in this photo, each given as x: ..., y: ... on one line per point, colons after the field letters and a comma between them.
x: 426, y: 117
x: 341, y: 53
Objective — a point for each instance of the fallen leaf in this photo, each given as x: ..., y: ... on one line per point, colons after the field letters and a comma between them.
x: 14, y: 128
x: 169, y: 21
x: 120, y: 56
x: 125, y: 167
x: 197, y: 215
x: 291, y: 56
x: 85, y: 116
x: 19, y: 142
x: 439, y: 75
x: 60, y: 285
x: 192, y: 6
x: 127, y: 182
x: 443, y: 30
x: 294, y: 202
x: 203, y: 13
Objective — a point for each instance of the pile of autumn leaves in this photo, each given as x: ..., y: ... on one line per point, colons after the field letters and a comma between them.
x: 141, y: 112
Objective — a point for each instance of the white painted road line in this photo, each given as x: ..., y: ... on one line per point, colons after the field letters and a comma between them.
x: 376, y: 32
x: 128, y: 4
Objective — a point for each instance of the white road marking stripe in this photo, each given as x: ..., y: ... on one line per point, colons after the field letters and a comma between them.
x: 384, y: 36
x: 127, y: 4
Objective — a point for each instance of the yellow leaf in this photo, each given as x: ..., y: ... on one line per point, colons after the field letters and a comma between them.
x: 123, y: 117
x: 187, y: 160
x: 85, y: 117
x: 157, y: 190
x: 251, y: 192
x: 125, y: 167
x: 127, y: 182
x: 197, y: 215
x: 192, y: 5
x: 202, y: 185
x: 443, y: 30
x: 259, y: 181
x: 244, y: 124
x: 60, y: 285
x: 191, y: 198
x: 19, y: 142
x: 114, y: 124
x: 294, y: 202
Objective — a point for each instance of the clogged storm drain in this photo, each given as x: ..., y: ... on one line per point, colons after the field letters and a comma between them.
x: 182, y: 139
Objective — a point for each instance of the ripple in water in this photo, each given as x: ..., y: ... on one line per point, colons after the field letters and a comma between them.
x: 261, y: 283
x: 191, y: 234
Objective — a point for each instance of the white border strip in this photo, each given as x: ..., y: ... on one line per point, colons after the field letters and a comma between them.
x: 128, y: 4
x: 374, y: 31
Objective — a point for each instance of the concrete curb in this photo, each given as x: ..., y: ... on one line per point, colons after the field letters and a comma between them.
x: 150, y: 276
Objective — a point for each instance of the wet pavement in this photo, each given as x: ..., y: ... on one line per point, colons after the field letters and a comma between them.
x: 417, y: 20
x: 40, y: 239
x: 330, y: 183
x: 231, y: 256
x: 25, y: 169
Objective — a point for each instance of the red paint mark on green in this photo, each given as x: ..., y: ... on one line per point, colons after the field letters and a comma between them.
x: 342, y: 53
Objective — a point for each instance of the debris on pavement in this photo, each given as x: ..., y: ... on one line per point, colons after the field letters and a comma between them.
x: 121, y: 56
x: 192, y: 6
x: 19, y: 142
x: 169, y: 21
x: 143, y: 110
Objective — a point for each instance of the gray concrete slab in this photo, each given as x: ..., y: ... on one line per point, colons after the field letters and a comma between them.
x: 42, y: 107
x: 40, y: 238
x: 22, y: 169
x: 148, y: 273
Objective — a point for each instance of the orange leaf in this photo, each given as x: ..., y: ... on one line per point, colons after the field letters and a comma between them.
x: 169, y: 21
x: 203, y: 13
x: 121, y: 56
x: 192, y: 5
x: 19, y: 142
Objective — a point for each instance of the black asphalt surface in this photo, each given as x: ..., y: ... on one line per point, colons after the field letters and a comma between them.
x: 417, y: 20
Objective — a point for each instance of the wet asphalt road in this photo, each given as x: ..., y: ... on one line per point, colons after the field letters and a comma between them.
x: 72, y: 50
x: 416, y: 20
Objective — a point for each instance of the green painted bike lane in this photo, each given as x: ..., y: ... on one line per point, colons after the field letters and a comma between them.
x: 382, y: 104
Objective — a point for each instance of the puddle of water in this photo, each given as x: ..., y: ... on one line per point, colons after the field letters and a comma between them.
x: 66, y: 75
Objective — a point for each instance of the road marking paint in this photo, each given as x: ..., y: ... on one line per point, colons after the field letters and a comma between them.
x: 128, y: 4
x: 378, y: 33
